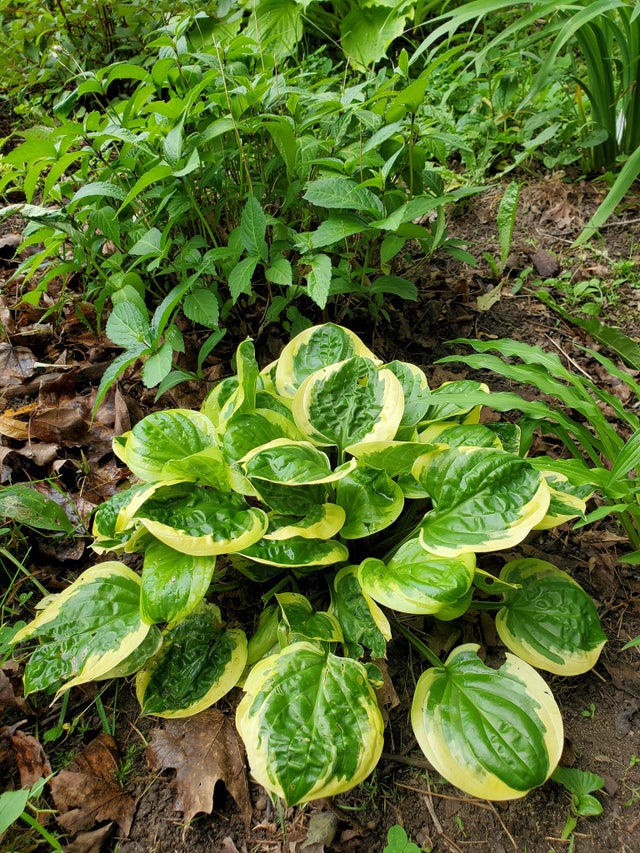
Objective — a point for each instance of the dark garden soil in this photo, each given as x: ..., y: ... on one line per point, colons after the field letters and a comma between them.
x: 142, y: 808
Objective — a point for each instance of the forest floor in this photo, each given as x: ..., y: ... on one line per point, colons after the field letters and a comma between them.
x: 135, y: 792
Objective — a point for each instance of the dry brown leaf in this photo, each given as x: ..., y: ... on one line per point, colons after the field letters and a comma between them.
x: 203, y: 750
x: 22, y: 752
x: 8, y: 698
x: 13, y: 428
x: 16, y: 364
x: 87, y: 792
x: 90, y: 842
x: 68, y: 426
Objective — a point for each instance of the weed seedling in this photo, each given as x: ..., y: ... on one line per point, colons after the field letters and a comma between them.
x: 580, y: 784
x: 398, y: 842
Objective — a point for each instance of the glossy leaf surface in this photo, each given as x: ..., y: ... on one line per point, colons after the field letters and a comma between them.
x: 173, y: 584
x: 494, y: 733
x: 311, y: 723
x: 199, y: 662
x: 484, y: 499
x: 415, y: 581
x: 85, y: 631
x: 550, y: 621
x: 363, y: 622
x: 371, y: 501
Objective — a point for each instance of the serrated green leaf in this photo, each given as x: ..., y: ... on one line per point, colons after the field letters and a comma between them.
x: 366, y: 33
x: 344, y: 194
x: 199, y: 662
x: 240, y: 277
x: 319, y: 278
x: 549, y: 620
x: 149, y: 245
x: 494, y: 733
x: 128, y: 325
x: 157, y: 366
x: 310, y: 722
x: 280, y: 272
x: 202, y: 306
x: 253, y: 227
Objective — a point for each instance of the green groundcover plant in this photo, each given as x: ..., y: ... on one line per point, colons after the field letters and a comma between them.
x: 346, y: 494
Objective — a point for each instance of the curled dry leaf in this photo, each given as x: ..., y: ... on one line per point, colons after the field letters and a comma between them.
x: 16, y: 364
x: 8, y: 698
x: 22, y: 752
x: 203, y: 750
x: 87, y: 792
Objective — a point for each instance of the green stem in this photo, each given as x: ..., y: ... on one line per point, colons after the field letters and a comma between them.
x: 103, y: 715
x: 55, y: 844
x: 416, y: 643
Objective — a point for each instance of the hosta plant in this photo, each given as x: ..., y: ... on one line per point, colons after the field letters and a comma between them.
x: 343, y: 492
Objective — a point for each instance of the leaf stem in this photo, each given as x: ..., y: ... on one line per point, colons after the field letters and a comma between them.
x: 415, y: 642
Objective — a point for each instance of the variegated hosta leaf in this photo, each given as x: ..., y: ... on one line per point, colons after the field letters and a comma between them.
x: 415, y: 581
x: 290, y: 500
x: 246, y: 432
x: 292, y: 463
x: 107, y: 535
x: 415, y: 390
x: 302, y: 622
x: 85, y: 631
x: 165, y: 437
x: 349, y: 402
x: 173, y: 584
x: 244, y: 400
x: 455, y: 408
x: 457, y: 435
x: 206, y: 467
x: 199, y: 662
x: 202, y: 522
x: 394, y: 457
x: 313, y: 349
x: 363, y: 622
x: 567, y: 500
x: 484, y: 499
x: 310, y: 722
x: 265, y: 639
x: 138, y: 657
x: 218, y: 404
x: 322, y: 522
x: 550, y: 621
x: 495, y: 734
x: 297, y: 552
x: 371, y: 501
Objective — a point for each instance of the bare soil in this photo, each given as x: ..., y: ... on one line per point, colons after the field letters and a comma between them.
x: 601, y: 708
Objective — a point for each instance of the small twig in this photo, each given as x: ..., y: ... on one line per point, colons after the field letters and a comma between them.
x: 506, y: 831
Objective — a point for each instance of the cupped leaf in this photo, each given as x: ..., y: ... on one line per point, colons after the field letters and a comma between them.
x: 415, y: 388
x: 349, y: 402
x: 246, y: 432
x: 199, y: 521
x: 199, y: 662
x: 302, y: 622
x: 85, y: 631
x: 310, y: 722
x: 297, y: 552
x: 495, y: 734
x: 567, y: 501
x: 167, y: 437
x: 371, y: 501
x: 394, y: 457
x: 290, y: 500
x: 138, y: 657
x: 415, y: 581
x: 292, y: 463
x: 548, y: 619
x: 484, y: 499
x: 457, y: 435
x: 313, y: 349
x: 173, y: 584
x: 322, y: 522
x: 454, y: 405
x: 363, y: 622
x: 107, y: 535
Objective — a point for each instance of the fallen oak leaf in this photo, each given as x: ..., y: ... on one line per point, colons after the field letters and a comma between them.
x: 8, y: 698
x: 22, y: 752
x: 203, y: 750
x: 86, y: 792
